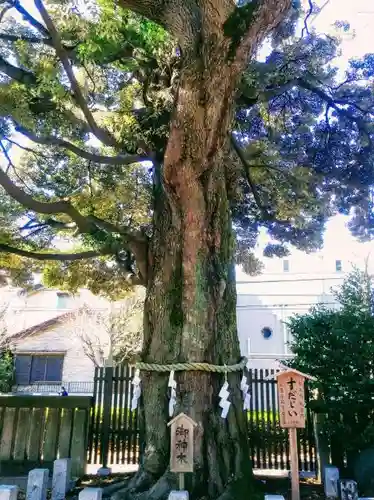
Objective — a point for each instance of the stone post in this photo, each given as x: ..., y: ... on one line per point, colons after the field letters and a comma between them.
x: 331, y: 482
x: 178, y: 495
x: 8, y: 492
x: 91, y: 494
x: 37, y: 484
x: 348, y: 490
x: 61, y: 478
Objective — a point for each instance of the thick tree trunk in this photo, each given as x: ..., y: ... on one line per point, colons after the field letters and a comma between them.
x: 190, y: 310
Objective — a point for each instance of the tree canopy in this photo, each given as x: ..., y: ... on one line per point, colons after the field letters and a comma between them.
x: 86, y: 95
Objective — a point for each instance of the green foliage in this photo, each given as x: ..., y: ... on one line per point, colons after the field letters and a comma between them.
x: 337, y: 347
x: 6, y: 357
x: 6, y: 371
x: 292, y: 118
x: 101, y: 276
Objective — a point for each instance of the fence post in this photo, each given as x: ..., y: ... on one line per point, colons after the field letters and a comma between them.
x: 105, y: 429
x: 322, y: 446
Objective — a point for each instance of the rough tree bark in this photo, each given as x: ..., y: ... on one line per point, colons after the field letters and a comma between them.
x: 190, y: 309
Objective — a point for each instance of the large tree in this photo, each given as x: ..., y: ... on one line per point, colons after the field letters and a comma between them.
x: 233, y: 144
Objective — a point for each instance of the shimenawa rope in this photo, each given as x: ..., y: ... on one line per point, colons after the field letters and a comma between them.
x: 205, y: 367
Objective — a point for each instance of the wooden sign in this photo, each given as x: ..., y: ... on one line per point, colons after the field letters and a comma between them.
x: 291, y: 396
x: 181, y: 450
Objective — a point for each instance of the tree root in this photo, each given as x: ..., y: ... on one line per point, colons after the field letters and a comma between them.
x: 142, y: 481
x: 137, y: 490
x: 239, y: 489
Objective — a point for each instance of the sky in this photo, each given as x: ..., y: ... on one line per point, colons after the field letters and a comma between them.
x: 357, y: 42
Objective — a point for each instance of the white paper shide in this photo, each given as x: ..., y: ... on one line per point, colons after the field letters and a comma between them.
x: 137, y: 390
x: 224, y: 403
x: 244, y: 387
x: 173, y: 393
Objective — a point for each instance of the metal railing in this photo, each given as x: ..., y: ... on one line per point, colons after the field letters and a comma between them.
x: 85, y: 388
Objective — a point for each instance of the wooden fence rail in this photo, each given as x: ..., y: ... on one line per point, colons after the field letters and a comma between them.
x: 36, y: 430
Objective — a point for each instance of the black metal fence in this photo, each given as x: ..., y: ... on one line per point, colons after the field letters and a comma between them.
x: 73, y: 388
x: 114, y: 434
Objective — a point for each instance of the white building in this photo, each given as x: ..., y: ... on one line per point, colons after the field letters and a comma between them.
x: 292, y: 286
x: 50, y: 333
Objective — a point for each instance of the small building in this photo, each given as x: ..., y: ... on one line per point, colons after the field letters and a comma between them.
x: 58, y: 338
x: 50, y: 355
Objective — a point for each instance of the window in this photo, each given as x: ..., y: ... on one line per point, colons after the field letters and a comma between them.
x: 266, y: 332
x: 37, y: 368
x: 338, y: 266
x: 286, y: 266
x: 62, y: 300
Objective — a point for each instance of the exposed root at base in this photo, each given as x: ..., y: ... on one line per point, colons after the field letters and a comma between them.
x: 143, y: 487
x: 142, y: 481
x: 241, y: 489
x: 160, y: 490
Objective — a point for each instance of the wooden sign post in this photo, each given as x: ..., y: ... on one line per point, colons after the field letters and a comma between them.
x: 291, y: 394
x: 181, y: 449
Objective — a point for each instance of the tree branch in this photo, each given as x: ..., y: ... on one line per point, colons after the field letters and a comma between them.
x: 30, y: 19
x: 104, y: 135
x: 179, y: 17
x: 57, y: 207
x: 106, y: 160
x: 56, y: 224
x: 264, y: 17
x: 310, y: 12
x: 135, y: 241
x: 333, y: 104
x: 4, y: 11
x: 24, y: 148
x: 90, y: 254
x: 18, y: 74
x: 7, y: 37
x: 8, y: 158
x: 264, y: 212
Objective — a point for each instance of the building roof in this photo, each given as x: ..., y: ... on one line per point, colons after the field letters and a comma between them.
x: 41, y: 327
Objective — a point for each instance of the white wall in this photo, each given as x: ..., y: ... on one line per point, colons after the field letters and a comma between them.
x: 27, y: 310
x: 61, y: 338
x: 270, y: 299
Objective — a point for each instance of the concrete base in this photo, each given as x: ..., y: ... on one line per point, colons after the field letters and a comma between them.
x: 104, y: 471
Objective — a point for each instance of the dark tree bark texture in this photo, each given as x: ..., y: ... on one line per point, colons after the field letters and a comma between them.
x: 190, y: 310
